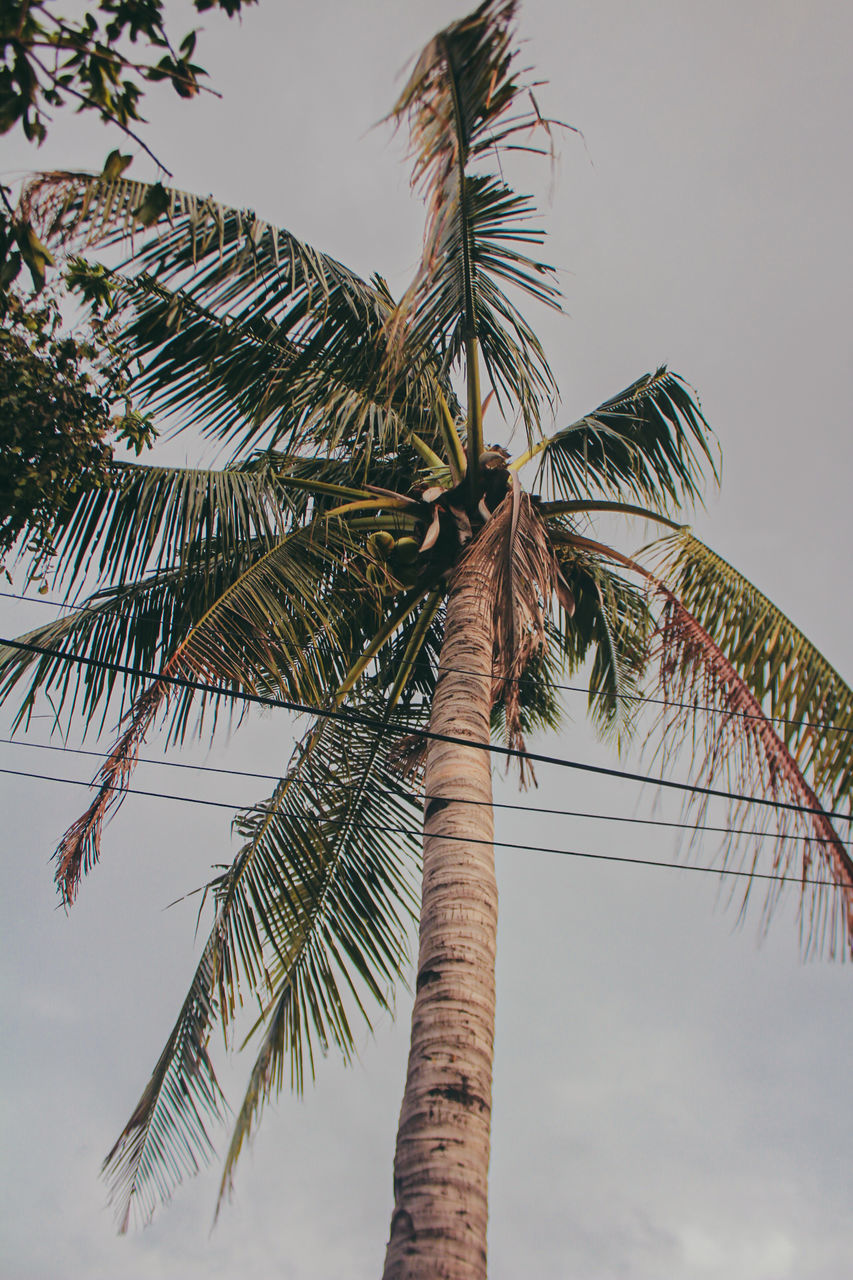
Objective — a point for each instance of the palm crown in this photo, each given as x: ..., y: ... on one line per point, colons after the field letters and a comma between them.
x: 332, y: 561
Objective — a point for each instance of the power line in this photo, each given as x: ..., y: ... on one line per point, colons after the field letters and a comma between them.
x: 162, y: 764
x: 57, y: 604
x: 498, y: 844
x: 351, y: 716
x: 681, y: 706
x: 564, y: 688
x: 417, y: 797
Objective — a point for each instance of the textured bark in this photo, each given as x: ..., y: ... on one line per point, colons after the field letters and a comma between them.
x: 438, y: 1228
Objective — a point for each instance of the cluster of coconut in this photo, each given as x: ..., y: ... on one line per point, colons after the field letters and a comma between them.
x: 396, y: 561
x: 392, y: 557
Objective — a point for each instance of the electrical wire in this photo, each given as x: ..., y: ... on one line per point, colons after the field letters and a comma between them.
x: 418, y: 798
x: 680, y: 706
x: 350, y: 716
x: 497, y: 844
x: 824, y: 725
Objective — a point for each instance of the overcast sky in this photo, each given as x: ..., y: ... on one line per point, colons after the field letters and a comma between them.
x: 671, y: 1098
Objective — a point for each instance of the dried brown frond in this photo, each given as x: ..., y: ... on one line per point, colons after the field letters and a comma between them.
x: 513, y: 557
x: 80, y: 847
x: 45, y: 199
x: 465, y: 102
x: 740, y: 744
x: 204, y: 657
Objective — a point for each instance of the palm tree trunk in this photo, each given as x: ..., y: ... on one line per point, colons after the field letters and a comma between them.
x: 438, y: 1228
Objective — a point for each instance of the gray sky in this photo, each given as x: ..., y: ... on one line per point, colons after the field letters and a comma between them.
x: 670, y: 1099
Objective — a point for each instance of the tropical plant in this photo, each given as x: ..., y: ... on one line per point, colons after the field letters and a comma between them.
x: 56, y: 426
x: 367, y: 556
x: 99, y: 62
x: 56, y: 429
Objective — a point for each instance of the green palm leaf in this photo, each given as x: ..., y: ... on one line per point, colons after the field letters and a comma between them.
x: 809, y: 703
x: 271, y: 630
x: 258, y: 617
x: 312, y: 919
x: 651, y: 442
x: 321, y: 892
x: 241, y: 376
x: 131, y: 626
x: 166, y: 1138
x: 243, y: 330
x: 154, y: 517
x: 233, y: 257
x: 609, y: 629
x: 324, y: 904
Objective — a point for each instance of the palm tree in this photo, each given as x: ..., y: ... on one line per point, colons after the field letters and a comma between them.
x: 367, y: 554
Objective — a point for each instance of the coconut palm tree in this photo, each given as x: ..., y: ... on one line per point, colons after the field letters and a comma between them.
x: 367, y: 555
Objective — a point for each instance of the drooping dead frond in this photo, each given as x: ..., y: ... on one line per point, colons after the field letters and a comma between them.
x: 738, y: 742
x: 513, y: 557
x: 461, y: 91
x: 79, y: 849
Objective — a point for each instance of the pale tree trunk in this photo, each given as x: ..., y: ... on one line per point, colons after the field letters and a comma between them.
x: 438, y: 1228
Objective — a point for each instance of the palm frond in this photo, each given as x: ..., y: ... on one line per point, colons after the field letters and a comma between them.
x: 319, y: 902
x: 463, y: 102
x: 243, y: 330
x: 512, y: 556
x: 650, y: 443
x: 121, y: 632
x: 272, y: 629
x: 809, y: 703
x: 128, y: 629
x: 313, y: 913
x: 737, y: 746
x: 155, y: 517
x: 167, y: 1137
x: 234, y: 258
x: 612, y: 624
x: 242, y: 375
x: 461, y: 91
